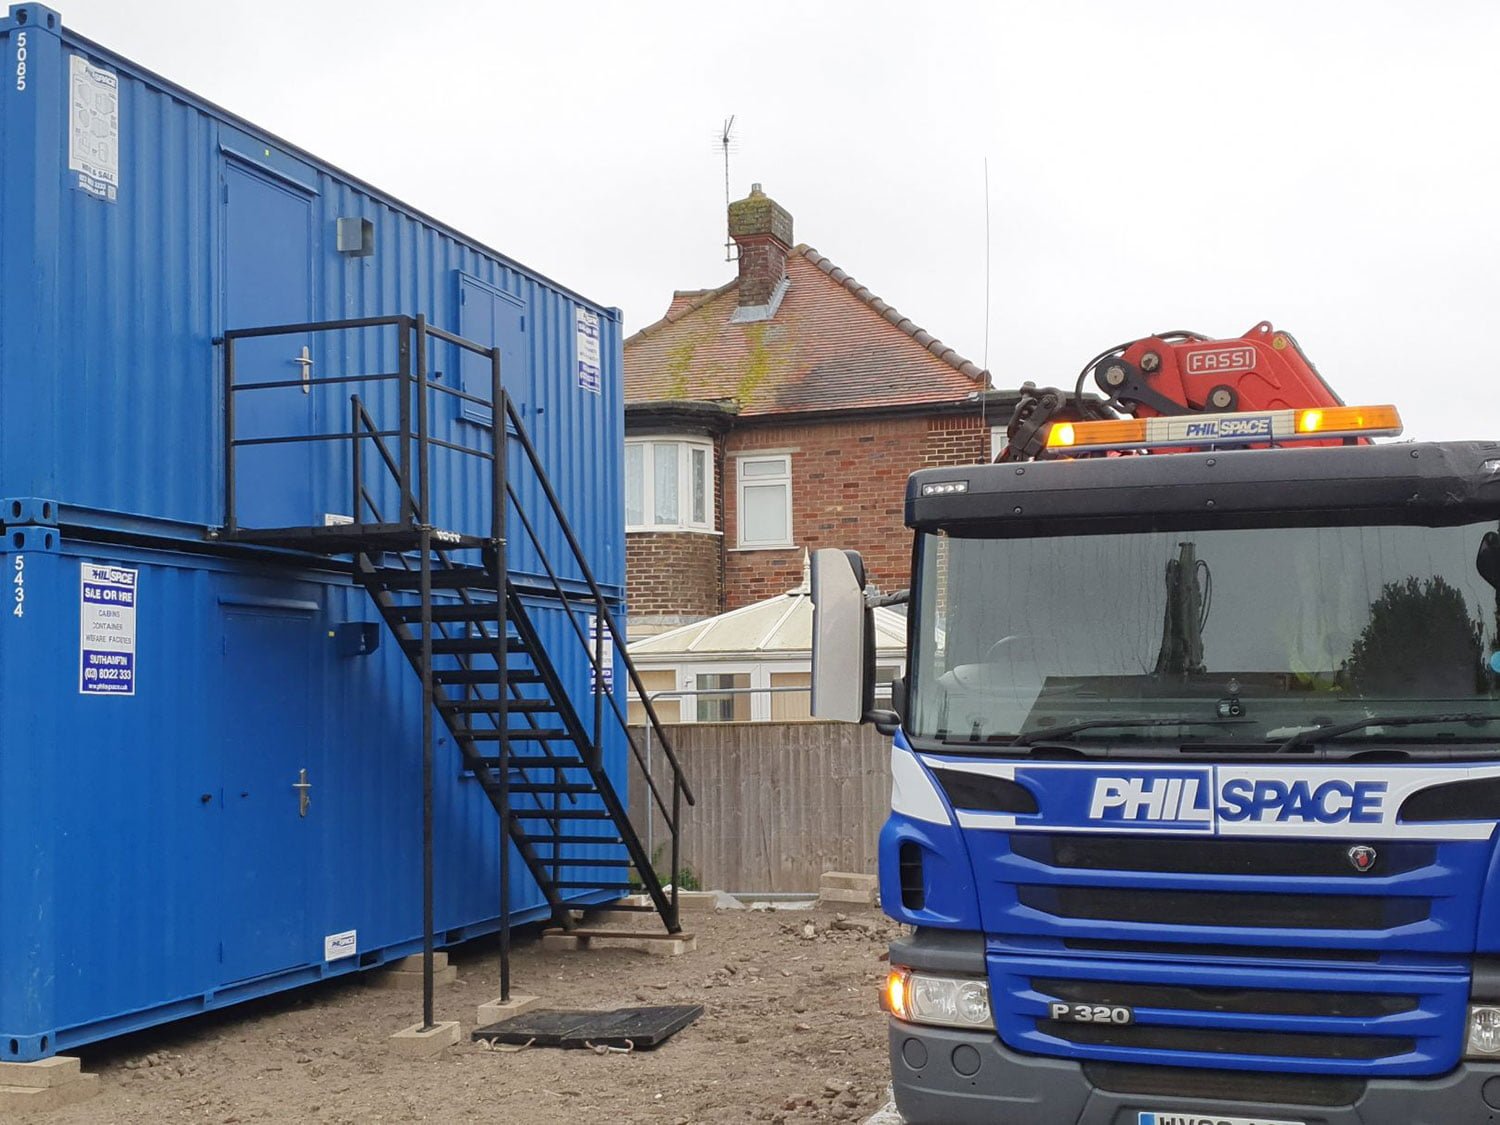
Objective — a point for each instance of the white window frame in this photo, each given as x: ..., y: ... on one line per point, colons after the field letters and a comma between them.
x: 685, y: 446
x: 741, y: 482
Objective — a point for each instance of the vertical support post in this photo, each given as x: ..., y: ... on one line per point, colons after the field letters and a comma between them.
x: 424, y: 453
x: 498, y: 482
x: 356, y: 461
x: 599, y: 685
x: 230, y: 516
x: 675, y: 924
x: 403, y: 370
x: 425, y: 540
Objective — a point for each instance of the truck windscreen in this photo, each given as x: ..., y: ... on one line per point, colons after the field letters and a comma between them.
x: 1245, y: 635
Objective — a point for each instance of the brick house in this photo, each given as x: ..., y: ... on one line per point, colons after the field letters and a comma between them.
x: 778, y: 413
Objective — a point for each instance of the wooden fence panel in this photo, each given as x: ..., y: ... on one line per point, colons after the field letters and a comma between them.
x: 778, y: 803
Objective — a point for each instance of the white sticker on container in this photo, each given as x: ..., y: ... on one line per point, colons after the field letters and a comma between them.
x: 107, y: 603
x: 94, y: 128
x: 587, y: 336
x: 338, y: 946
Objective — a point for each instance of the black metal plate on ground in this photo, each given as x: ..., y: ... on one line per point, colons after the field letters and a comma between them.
x: 638, y: 1028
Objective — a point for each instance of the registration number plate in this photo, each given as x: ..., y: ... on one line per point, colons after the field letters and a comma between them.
x: 1115, y: 1014
x: 1178, y: 1117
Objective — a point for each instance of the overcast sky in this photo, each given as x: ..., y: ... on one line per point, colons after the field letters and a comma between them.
x: 1333, y: 167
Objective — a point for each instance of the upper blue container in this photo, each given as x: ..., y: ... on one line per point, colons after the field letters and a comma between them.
x: 138, y: 223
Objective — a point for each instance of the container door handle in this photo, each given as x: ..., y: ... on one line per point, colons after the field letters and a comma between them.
x: 304, y: 792
x: 305, y: 362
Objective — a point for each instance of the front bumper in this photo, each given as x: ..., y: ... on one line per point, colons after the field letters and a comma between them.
x: 950, y: 1077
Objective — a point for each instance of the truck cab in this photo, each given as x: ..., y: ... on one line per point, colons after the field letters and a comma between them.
x: 1196, y: 776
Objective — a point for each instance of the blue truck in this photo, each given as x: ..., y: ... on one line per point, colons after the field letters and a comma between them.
x: 1196, y: 766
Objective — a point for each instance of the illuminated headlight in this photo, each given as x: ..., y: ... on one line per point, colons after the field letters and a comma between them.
x: 1484, y: 1031
x: 942, y: 1001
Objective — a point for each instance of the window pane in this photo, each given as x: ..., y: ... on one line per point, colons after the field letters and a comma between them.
x: 723, y: 708
x: 787, y: 706
x: 769, y: 467
x: 700, y: 486
x: 763, y: 512
x: 635, y: 456
x: 667, y: 710
x: 665, y: 455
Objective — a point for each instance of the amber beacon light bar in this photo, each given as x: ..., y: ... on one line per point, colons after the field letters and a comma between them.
x: 1272, y: 427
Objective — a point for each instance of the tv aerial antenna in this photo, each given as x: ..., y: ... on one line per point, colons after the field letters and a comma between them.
x: 726, y: 143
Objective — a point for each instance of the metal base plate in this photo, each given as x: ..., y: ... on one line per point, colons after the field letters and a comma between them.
x: 639, y: 1029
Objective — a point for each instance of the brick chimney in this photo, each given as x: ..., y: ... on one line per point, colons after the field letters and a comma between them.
x: 763, y: 230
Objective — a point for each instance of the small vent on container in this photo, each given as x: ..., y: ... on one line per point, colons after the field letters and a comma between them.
x: 913, y: 896
x: 356, y: 237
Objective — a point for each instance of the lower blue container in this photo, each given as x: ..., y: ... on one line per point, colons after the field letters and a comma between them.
x: 208, y: 793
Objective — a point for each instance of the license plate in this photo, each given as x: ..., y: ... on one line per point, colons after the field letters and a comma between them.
x: 1116, y: 1015
x: 1178, y: 1117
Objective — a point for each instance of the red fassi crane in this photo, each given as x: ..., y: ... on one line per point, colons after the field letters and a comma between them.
x: 1179, y: 373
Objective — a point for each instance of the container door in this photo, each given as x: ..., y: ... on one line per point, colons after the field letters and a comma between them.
x: 269, y: 821
x: 268, y: 281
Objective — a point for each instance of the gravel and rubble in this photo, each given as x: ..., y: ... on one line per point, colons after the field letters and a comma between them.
x: 791, y: 1033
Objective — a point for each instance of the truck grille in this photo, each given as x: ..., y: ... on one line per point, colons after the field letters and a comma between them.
x: 1118, y: 887
x: 1314, y: 1019
x: 1326, y: 858
x: 1217, y: 908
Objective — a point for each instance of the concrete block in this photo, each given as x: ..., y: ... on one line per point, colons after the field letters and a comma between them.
x: 44, y: 1085
x: 44, y: 1072
x: 495, y: 1011
x: 419, y: 1042
x: 404, y: 981
x: 661, y: 944
x: 413, y: 964
x: 848, y: 888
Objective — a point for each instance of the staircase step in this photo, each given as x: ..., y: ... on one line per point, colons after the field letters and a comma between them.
x: 543, y: 841
x: 517, y: 734
x: 490, y: 706
x: 485, y: 676
x: 456, y: 646
x: 570, y: 885
x: 443, y: 578
x: 486, y: 612
x: 564, y: 788
x: 560, y: 814
x: 576, y: 861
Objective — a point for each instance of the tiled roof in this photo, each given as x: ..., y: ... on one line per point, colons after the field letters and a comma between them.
x: 832, y: 345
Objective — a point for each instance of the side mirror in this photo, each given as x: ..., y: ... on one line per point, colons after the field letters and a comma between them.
x: 840, y: 625
x: 1487, y: 562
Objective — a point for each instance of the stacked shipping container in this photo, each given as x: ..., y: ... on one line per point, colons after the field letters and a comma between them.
x: 161, y: 693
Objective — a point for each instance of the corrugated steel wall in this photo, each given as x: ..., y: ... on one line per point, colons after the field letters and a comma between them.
x: 122, y: 835
x: 116, y: 867
x: 120, y: 420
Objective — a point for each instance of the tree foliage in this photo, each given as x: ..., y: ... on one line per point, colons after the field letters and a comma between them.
x: 1420, y: 641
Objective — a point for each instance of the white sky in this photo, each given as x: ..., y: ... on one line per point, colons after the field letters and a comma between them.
x: 1330, y: 165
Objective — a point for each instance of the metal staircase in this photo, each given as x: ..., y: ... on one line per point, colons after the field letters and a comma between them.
x: 463, y: 622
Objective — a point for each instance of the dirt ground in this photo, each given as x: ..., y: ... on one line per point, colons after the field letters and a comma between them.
x: 791, y: 1032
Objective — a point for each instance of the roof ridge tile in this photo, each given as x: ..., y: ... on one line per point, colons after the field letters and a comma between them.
x: 926, y: 339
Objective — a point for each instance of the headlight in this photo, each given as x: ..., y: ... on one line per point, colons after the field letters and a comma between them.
x: 1484, y: 1031
x: 949, y: 1001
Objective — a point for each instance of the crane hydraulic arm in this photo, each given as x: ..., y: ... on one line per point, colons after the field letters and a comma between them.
x: 1178, y: 373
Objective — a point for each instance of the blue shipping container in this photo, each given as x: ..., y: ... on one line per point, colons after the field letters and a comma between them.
x: 139, y: 227
x: 154, y: 861
x: 156, y: 858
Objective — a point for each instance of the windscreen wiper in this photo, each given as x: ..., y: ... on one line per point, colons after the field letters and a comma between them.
x: 1042, y: 734
x: 1319, y: 734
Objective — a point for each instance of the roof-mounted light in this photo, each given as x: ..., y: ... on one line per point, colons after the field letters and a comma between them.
x: 1272, y: 427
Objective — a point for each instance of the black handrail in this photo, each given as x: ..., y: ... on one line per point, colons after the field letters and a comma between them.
x: 598, y: 598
